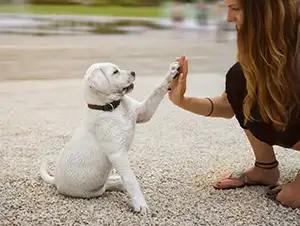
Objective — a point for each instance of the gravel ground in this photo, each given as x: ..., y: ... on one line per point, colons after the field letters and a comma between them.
x: 177, y: 156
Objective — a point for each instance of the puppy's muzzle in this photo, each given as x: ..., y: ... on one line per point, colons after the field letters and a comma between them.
x: 129, y: 88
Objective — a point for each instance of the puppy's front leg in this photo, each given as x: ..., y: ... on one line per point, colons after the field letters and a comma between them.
x: 121, y: 163
x: 148, y: 107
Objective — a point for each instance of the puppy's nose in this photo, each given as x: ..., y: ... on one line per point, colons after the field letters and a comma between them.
x: 132, y: 73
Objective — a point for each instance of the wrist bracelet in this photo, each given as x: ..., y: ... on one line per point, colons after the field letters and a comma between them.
x: 212, y: 106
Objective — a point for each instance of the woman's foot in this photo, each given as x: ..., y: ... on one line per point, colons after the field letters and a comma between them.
x: 252, y: 176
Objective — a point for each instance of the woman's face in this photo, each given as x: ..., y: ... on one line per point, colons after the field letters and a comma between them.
x: 234, y: 12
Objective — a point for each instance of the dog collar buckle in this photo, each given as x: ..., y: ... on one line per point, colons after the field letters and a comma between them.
x: 112, y: 107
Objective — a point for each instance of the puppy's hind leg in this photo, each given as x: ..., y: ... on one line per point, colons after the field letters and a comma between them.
x: 114, y: 183
x: 95, y: 193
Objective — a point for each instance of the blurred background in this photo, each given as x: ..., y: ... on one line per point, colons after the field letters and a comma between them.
x: 54, y: 39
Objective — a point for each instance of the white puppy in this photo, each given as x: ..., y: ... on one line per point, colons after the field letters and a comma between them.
x: 103, y: 139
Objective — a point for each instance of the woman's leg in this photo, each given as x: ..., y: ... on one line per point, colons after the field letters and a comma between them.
x: 296, y: 146
x: 263, y: 172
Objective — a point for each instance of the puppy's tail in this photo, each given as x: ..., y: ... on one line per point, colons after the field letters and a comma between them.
x: 45, y: 175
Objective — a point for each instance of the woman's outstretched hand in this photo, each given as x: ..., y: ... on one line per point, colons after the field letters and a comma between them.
x: 178, y: 85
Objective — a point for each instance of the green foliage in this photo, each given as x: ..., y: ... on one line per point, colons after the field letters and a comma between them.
x: 59, y: 2
x: 129, y: 2
x: 84, y: 10
x: 102, y: 2
x: 110, y: 2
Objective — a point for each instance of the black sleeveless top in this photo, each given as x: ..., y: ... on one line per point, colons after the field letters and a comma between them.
x: 235, y: 89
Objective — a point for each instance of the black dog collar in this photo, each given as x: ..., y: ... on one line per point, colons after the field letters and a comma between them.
x: 108, y: 107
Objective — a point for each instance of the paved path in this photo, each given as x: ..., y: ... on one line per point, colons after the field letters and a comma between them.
x: 27, y: 57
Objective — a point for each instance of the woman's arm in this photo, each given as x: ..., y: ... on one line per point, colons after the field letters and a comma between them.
x: 213, y: 107
x: 202, y: 106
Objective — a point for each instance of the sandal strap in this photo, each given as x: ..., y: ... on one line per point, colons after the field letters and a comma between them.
x: 240, y: 175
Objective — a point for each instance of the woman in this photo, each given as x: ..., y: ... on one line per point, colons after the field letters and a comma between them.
x: 261, y: 91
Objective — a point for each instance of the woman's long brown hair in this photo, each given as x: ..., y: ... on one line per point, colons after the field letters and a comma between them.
x: 266, y: 46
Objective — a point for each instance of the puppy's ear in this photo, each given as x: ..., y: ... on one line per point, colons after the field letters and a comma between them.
x: 97, y: 80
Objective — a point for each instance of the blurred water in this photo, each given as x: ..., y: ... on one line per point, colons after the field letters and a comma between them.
x: 20, y: 21
x: 19, y: 7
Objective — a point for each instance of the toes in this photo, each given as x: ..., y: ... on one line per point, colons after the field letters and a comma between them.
x: 175, y: 73
x: 227, y: 182
x: 175, y: 66
x: 142, y: 210
x: 140, y: 207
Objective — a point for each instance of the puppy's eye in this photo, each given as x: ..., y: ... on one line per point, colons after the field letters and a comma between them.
x: 115, y: 72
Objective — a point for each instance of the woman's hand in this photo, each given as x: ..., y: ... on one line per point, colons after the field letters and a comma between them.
x: 178, y: 85
x: 201, y: 106
x: 289, y: 194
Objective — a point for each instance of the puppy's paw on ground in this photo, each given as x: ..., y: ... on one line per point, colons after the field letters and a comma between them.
x: 140, y: 207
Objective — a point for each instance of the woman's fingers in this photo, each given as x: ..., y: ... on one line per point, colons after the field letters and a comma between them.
x: 183, y: 73
x: 174, y: 84
x: 185, y: 68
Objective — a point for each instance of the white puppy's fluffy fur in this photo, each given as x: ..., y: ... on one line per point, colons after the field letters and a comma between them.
x: 103, y: 139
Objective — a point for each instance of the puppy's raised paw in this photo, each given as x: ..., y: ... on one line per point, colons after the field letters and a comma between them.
x: 174, y: 65
x: 174, y: 71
